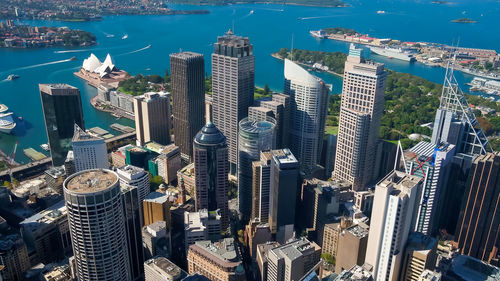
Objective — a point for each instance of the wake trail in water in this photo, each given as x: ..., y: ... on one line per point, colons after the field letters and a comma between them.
x: 322, y: 17
x: 37, y: 65
x: 136, y: 51
x: 247, y: 15
x: 72, y: 51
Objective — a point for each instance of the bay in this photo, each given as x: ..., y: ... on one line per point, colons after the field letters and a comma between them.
x: 269, y: 27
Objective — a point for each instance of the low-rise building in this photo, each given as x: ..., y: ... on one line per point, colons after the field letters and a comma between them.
x: 156, y: 239
x: 351, y: 249
x: 54, y: 177
x: 420, y: 254
x: 162, y: 269
x: 201, y: 225
x: 59, y: 273
x: 356, y: 273
x: 216, y: 260
x: 169, y: 163
x: 262, y: 250
x: 257, y: 233
x: 156, y: 207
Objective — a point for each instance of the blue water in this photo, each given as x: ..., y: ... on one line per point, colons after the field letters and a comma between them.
x: 269, y: 27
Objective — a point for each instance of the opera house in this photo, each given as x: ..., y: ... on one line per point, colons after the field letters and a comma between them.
x: 96, y: 72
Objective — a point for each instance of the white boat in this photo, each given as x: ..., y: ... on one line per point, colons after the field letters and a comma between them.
x: 396, y: 53
x: 12, y: 77
x: 318, y: 33
x: 125, y: 36
x: 7, y: 123
x: 380, y: 12
x: 45, y: 146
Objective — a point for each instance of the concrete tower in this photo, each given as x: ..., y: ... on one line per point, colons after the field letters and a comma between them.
x: 102, y: 229
x: 360, y: 114
x: 152, y: 118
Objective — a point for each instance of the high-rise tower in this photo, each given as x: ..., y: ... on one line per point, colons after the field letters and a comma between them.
x: 188, y: 98
x: 253, y: 137
x: 152, y: 118
x: 308, y: 108
x: 360, y: 114
x: 89, y: 152
x: 233, y: 75
x: 211, y: 167
x: 62, y: 109
x: 96, y: 223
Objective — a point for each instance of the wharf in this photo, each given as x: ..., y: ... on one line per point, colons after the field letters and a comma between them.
x: 33, y: 154
x: 122, y: 128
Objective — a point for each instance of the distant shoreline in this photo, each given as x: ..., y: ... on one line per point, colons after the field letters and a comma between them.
x: 343, y: 5
x: 276, y: 56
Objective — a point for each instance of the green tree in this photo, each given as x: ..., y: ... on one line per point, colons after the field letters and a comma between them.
x: 328, y: 258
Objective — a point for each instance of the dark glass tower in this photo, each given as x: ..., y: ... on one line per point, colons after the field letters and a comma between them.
x: 62, y: 109
x: 188, y: 98
x: 211, y: 170
x: 233, y: 75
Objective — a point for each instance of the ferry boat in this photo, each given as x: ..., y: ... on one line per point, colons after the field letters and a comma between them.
x: 7, y: 123
x: 318, y: 33
x: 381, y: 12
x: 12, y: 77
x: 491, y: 76
x: 125, y: 36
x: 397, y: 53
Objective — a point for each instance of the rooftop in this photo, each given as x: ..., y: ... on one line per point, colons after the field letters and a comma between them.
x: 45, y: 217
x: 356, y: 273
x: 210, y: 135
x: 359, y: 230
x: 164, y: 266
x: 400, y: 182
x: 252, y: 126
x: 469, y: 268
x: 55, y: 172
x: 224, y: 249
x: 80, y: 135
x: 186, y: 55
x: 156, y: 197
x: 284, y: 157
x: 295, y: 249
x: 48, y: 88
x: 90, y: 181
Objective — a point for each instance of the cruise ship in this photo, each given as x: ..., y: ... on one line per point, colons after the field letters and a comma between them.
x: 7, y: 123
x: 396, y: 53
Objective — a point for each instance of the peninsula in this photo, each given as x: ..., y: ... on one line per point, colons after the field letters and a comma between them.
x: 91, y: 10
x: 26, y: 36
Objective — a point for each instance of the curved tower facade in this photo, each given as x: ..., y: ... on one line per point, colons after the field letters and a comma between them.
x: 308, y: 107
x: 96, y: 223
x: 253, y: 137
x: 211, y: 167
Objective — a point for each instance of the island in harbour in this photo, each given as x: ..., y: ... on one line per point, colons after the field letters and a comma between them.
x: 464, y: 20
x: 26, y: 36
x: 84, y: 10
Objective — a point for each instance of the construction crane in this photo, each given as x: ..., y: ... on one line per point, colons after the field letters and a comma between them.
x: 11, y: 162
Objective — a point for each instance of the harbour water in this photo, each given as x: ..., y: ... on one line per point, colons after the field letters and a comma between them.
x: 269, y: 27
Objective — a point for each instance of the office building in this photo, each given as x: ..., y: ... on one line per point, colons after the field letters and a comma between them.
x: 469, y: 268
x: 308, y: 109
x: 186, y: 175
x: 162, y: 269
x: 55, y: 177
x: 201, y: 225
x: 62, y: 109
x: 169, y: 163
x: 233, y: 75
x: 384, y: 159
x: 89, y: 152
x: 132, y: 214
x: 256, y: 113
x: 211, y: 168
x: 156, y: 207
x: 356, y: 273
x: 103, y: 230
x: 262, y: 250
x: 351, y: 248
x: 283, y: 193
x: 292, y: 260
x: 431, y: 163
x: 59, y: 273
x: 361, y: 110
x: 331, y: 148
x: 280, y: 106
x: 363, y: 200
x: 420, y: 255
x: 393, y: 217
x: 455, y: 122
x: 254, y: 136
x: 14, y: 258
x: 478, y: 232
x: 188, y: 98
x: 216, y: 260
x: 69, y: 164
x: 152, y: 118
x: 331, y: 236
x: 261, y: 185
x: 256, y: 233
x: 156, y: 240
x: 46, y: 234
x: 134, y: 176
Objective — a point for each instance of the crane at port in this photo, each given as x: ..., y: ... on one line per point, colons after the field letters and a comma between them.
x: 11, y: 162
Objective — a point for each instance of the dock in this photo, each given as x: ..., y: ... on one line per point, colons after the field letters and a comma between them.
x: 122, y: 128
x: 34, y: 155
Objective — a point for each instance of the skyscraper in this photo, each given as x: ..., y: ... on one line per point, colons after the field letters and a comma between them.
x: 283, y: 194
x: 102, y: 229
x: 431, y: 163
x: 211, y: 167
x: 254, y: 136
x: 392, y: 219
x: 62, y: 109
x: 308, y: 108
x: 188, y: 98
x: 361, y: 110
x: 152, y: 118
x: 478, y: 229
x: 233, y: 74
x: 89, y: 152
x: 261, y: 187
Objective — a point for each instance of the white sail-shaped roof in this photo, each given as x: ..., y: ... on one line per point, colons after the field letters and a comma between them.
x: 106, y: 67
x: 296, y: 73
x: 91, y: 63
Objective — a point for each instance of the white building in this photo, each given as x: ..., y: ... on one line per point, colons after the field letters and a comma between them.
x: 92, y: 64
x: 309, y: 101
x: 98, y: 237
x: 161, y: 269
x: 89, y: 152
x: 201, y: 225
x: 135, y: 176
x: 392, y: 219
